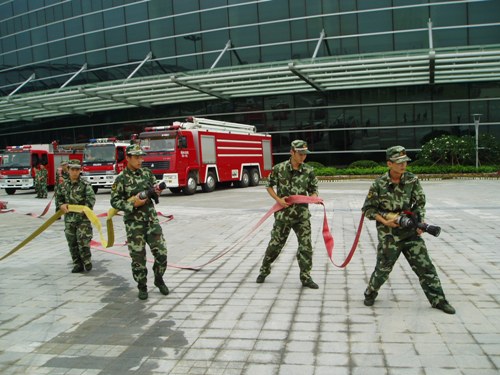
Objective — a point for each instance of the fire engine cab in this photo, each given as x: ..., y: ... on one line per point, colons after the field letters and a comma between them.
x: 19, y: 164
x: 206, y: 152
x: 103, y: 160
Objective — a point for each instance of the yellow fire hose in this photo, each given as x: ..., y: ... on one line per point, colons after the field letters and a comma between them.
x: 80, y: 209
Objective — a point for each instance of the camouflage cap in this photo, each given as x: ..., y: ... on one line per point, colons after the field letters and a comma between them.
x: 135, y: 149
x: 63, y: 162
x: 300, y: 146
x: 396, y: 154
x: 74, y: 163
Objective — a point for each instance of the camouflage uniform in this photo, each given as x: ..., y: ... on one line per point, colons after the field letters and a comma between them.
x: 141, y: 224
x: 77, y: 227
x: 61, y: 177
x: 408, y: 195
x: 41, y: 183
x: 297, y: 217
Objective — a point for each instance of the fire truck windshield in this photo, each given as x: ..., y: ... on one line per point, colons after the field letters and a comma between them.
x: 16, y: 159
x: 156, y: 145
x: 99, y: 154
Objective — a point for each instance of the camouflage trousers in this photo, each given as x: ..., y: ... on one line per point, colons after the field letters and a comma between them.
x: 279, y: 235
x: 415, y: 252
x: 140, y: 233
x: 41, y: 190
x: 78, y: 234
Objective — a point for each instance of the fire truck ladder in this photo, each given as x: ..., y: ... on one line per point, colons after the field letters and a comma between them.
x: 204, y: 123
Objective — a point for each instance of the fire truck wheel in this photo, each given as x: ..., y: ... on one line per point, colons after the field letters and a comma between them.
x: 245, y: 179
x: 191, y: 184
x: 254, y: 177
x: 210, y: 184
x: 10, y: 191
x: 95, y: 188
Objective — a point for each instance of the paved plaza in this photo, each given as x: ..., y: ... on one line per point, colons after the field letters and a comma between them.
x: 219, y: 321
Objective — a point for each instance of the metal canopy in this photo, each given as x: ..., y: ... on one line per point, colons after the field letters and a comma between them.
x: 312, y: 75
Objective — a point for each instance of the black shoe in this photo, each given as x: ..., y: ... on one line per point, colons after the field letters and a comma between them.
x: 446, y: 307
x: 88, y: 266
x: 370, y: 298
x: 162, y: 287
x: 260, y: 279
x: 143, y: 294
x: 77, y: 269
x: 310, y: 284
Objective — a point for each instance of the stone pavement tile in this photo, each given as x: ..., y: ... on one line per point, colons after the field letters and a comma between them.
x: 298, y: 358
x: 327, y: 370
x: 287, y: 369
x: 406, y: 371
x: 300, y: 346
x: 369, y: 370
x: 483, y: 372
x: 334, y: 359
x: 269, y: 345
x: 265, y: 357
x: 477, y: 362
x: 261, y: 369
x: 232, y: 355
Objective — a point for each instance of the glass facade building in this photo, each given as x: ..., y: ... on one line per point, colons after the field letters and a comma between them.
x: 350, y: 76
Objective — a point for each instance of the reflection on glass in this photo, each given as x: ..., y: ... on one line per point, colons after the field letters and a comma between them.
x: 160, y: 144
x: 16, y: 159
x: 99, y: 154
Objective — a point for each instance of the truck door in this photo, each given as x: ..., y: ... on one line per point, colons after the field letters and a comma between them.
x: 121, y: 162
x: 208, y: 154
x: 208, y: 149
x: 268, y: 155
x: 35, y: 161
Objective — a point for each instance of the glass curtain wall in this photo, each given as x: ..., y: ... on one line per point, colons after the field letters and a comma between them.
x: 53, y: 39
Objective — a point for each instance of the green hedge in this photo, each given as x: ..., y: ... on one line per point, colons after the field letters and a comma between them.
x: 436, y: 169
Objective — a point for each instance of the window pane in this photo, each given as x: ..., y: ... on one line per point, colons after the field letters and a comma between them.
x: 113, y: 17
x: 214, y: 19
x: 92, y: 22
x: 272, y: 10
x: 246, y: 37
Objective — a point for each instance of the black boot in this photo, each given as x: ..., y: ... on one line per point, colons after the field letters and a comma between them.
x: 143, y: 292
x: 370, y: 298
x: 77, y: 268
x: 160, y: 284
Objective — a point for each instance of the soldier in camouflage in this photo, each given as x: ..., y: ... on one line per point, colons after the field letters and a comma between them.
x: 292, y: 177
x: 41, y: 181
x: 141, y: 220
x: 77, y: 226
x: 62, y: 174
x: 395, y: 192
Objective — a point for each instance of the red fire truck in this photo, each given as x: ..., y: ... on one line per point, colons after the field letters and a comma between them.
x: 20, y: 162
x: 206, y: 152
x: 103, y: 160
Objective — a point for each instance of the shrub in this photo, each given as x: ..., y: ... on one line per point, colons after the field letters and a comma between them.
x: 326, y: 171
x: 315, y: 164
x: 364, y: 164
x: 489, y: 149
x: 449, y: 149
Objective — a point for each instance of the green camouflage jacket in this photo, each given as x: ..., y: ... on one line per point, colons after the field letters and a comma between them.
x: 129, y: 183
x: 385, y: 196
x: 78, y: 192
x: 42, y: 174
x: 293, y: 182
